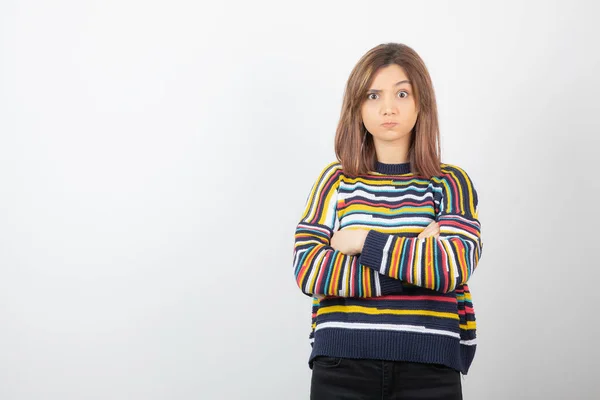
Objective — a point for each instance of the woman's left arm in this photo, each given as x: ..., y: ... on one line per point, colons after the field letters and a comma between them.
x: 440, y: 263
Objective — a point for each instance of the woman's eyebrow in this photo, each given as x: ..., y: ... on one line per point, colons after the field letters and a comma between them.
x: 397, y: 84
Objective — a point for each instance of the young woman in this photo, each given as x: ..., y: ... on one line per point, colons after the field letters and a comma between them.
x: 387, y: 242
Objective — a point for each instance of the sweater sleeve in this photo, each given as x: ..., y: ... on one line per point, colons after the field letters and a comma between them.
x: 443, y: 263
x: 318, y: 268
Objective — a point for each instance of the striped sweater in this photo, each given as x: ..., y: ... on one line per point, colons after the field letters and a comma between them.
x: 402, y: 298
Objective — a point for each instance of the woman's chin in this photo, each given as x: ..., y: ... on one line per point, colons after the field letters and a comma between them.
x: 390, y: 135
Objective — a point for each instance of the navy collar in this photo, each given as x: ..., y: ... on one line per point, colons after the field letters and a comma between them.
x: 392, y: 169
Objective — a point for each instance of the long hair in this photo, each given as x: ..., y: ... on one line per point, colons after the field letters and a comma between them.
x: 354, y: 146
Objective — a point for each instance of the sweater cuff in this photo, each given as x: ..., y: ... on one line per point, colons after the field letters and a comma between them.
x: 390, y: 285
x: 372, y: 252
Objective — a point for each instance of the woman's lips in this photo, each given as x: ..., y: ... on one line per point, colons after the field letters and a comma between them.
x: 389, y: 124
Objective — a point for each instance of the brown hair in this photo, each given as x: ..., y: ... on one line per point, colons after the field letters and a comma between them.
x: 354, y: 146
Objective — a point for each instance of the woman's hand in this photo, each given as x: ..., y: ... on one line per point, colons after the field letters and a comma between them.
x: 349, y: 241
x: 433, y: 229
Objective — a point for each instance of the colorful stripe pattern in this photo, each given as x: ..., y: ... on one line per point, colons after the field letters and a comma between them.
x: 402, y: 293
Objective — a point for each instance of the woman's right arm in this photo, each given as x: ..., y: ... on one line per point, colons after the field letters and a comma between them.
x: 318, y: 268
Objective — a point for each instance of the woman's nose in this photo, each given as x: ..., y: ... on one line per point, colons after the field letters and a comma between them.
x: 389, y: 106
x: 389, y: 109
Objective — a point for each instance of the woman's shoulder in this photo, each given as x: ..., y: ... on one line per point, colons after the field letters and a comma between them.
x: 454, y: 172
x: 328, y: 171
x: 448, y: 168
x: 456, y: 180
x: 456, y: 183
x: 332, y: 167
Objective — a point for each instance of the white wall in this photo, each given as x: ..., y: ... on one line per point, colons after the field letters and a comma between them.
x: 155, y: 158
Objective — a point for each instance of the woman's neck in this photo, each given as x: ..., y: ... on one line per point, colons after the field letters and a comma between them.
x: 392, y: 153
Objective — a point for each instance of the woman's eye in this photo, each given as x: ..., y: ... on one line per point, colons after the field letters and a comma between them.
x: 372, y: 96
x: 403, y: 92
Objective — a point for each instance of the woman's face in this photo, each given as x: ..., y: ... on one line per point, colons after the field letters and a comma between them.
x: 390, y: 99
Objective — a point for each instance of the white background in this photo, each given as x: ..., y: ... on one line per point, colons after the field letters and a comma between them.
x: 155, y: 158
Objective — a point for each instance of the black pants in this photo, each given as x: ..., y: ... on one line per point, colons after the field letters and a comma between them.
x: 347, y: 379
